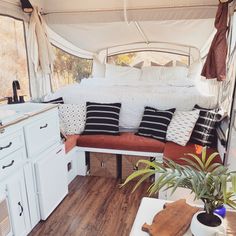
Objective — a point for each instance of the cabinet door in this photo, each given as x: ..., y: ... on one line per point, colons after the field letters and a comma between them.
x: 51, y: 178
x: 5, y: 224
x: 18, y: 204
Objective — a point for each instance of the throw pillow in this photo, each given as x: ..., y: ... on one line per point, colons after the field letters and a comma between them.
x: 102, y: 118
x: 181, y: 126
x: 204, y: 132
x: 72, y: 118
x: 155, y: 122
x: 55, y: 101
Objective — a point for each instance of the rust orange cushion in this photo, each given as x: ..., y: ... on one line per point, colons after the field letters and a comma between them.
x: 124, y: 141
x: 71, y: 142
x: 174, y: 152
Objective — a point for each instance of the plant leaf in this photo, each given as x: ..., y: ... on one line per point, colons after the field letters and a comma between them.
x: 211, y: 158
x: 136, y: 174
x: 204, y: 152
x: 191, y: 162
x: 199, y: 161
x: 142, y: 180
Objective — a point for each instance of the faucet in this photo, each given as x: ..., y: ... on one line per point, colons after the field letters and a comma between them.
x: 15, y: 87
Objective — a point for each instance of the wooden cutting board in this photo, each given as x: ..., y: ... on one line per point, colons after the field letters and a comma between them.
x: 173, y: 220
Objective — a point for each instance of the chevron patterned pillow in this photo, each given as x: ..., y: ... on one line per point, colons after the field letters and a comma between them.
x: 181, y: 126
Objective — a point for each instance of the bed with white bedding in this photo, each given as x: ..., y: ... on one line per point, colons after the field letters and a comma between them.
x: 135, y: 95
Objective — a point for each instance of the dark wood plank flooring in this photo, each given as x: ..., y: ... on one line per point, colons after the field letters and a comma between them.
x: 95, y: 206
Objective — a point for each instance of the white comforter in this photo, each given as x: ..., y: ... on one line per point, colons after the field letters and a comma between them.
x: 134, y: 97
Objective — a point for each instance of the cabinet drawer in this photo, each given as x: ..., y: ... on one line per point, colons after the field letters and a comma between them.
x: 42, y: 133
x: 10, y: 163
x: 103, y: 164
x: 129, y: 164
x: 11, y: 143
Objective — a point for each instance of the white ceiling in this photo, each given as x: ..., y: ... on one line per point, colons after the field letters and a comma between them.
x: 81, y: 5
x: 94, y: 25
x: 96, y: 36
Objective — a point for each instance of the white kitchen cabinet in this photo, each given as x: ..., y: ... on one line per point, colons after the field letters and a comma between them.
x: 11, y: 142
x: 33, y: 170
x: 41, y: 132
x: 5, y: 221
x: 17, y: 198
x: 51, y: 179
x: 32, y: 194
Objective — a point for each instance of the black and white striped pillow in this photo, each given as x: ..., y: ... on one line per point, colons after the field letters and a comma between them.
x: 55, y: 101
x: 155, y: 122
x: 204, y: 132
x: 102, y: 118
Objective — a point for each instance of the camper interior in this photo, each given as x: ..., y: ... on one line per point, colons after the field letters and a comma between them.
x: 117, y: 117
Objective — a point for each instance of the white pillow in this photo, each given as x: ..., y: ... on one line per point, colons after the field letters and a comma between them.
x: 151, y: 73
x: 181, y: 126
x: 195, y: 69
x: 174, y: 73
x: 72, y: 118
x: 98, y: 68
x: 122, y: 72
x: 164, y: 73
x: 181, y: 82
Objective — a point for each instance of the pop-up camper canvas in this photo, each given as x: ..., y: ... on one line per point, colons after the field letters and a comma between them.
x: 96, y: 93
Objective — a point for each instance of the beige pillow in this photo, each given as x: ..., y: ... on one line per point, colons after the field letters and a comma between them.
x: 181, y: 126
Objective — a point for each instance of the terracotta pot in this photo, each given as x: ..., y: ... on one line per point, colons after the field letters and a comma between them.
x: 201, y: 229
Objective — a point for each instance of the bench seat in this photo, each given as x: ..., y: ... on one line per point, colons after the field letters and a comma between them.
x: 174, y: 152
x: 71, y: 142
x: 124, y: 141
x: 130, y: 142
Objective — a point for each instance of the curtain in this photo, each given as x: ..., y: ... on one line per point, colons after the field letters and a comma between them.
x: 215, y: 65
x: 40, y: 54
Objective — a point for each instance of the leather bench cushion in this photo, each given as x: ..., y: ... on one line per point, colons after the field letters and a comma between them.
x: 71, y: 142
x: 174, y: 152
x: 124, y: 141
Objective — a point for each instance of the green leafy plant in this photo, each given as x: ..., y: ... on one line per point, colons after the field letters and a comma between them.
x: 210, y: 182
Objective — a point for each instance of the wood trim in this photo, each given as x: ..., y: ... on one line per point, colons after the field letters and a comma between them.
x: 124, y: 152
x: 27, y: 116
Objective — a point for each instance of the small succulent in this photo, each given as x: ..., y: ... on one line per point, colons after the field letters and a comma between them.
x: 210, y: 182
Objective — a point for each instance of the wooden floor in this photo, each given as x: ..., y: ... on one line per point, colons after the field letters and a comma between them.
x: 95, y: 206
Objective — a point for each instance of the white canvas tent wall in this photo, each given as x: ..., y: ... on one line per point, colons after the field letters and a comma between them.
x: 95, y: 26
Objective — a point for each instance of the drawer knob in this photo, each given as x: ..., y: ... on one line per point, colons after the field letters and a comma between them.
x: 21, y: 209
x: 1, y: 148
x: 44, y: 126
x: 6, y: 166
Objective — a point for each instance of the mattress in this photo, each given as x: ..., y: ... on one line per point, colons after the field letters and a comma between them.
x: 135, y: 96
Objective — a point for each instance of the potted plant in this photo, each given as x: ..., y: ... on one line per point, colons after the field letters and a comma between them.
x: 210, y: 182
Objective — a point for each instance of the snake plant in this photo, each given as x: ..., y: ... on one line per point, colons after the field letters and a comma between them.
x: 211, y: 182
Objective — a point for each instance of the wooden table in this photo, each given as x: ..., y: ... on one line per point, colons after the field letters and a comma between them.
x: 150, y: 206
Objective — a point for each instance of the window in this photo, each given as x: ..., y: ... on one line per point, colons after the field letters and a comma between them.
x: 148, y: 58
x: 69, y: 69
x: 13, y: 57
